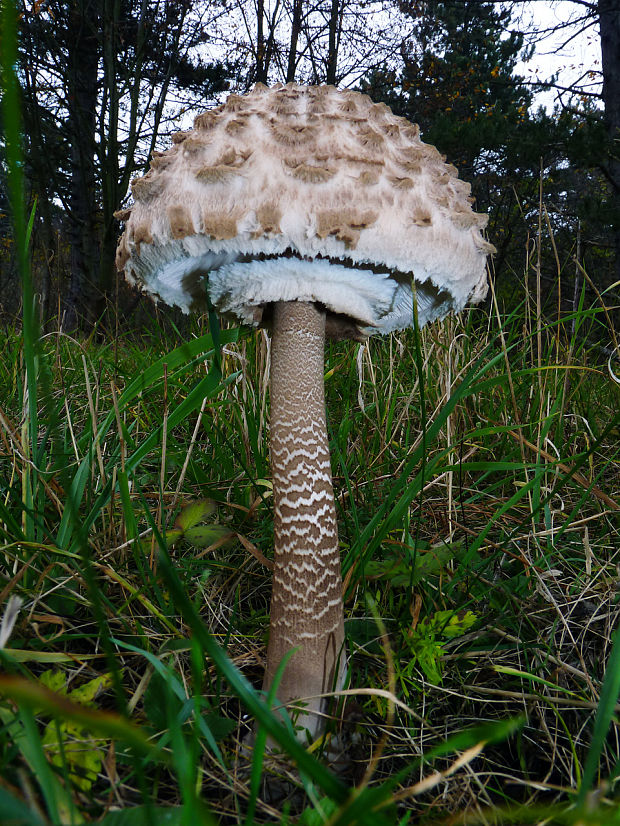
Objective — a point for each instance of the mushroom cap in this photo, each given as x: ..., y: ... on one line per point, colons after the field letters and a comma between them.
x: 311, y: 194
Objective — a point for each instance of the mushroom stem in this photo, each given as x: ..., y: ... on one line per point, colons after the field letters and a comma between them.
x: 306, y: 602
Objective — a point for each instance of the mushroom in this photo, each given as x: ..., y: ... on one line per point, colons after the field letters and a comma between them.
x: 307, y: 209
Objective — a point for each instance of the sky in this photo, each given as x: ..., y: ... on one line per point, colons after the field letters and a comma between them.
x: 573, y: 53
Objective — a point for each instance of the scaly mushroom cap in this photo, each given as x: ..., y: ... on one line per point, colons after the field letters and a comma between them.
x: 310, y: 194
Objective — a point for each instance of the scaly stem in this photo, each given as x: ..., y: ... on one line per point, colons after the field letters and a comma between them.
x: 306, y: 604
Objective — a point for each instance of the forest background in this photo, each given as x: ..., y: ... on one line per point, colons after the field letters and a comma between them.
x: 105, y: 82
x: 476, y: 462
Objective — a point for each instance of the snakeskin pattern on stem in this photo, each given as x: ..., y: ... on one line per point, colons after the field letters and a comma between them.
x: 306, y: 607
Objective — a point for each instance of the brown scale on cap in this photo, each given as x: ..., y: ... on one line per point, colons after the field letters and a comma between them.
x: 411, y: 131
x: 442, y: 199
x: 236, y: 103
x: 122, y: 253
x: 179, y: 137
x: 467, y: 219
x: 286, y: 107
x: 317, y: 107
x: 371, y: 139
x: 215, y: 174
x: 413, y: 152
x: 146, y: 187
x: 368, y: 177
x: 361, y: 160
x: 206, y: 121
x: 141, y: 234
x: 311, y: 174
x: 236, y: 126
x: 181, y: 224
x: 225, y: 166
x: 380, y: 111
x: 195, y: 144
x: 269, y: 217
x: 413, y: 167
x: 292, y: 135
x: 348, y: 105
x: 219, y: 226
x: 392, y: 130
x: 442, y: 177
x: 344, y: 224
x: 463, y: 190
x: 421, y: 218
x: 162, y: 160
x: 401, y: 183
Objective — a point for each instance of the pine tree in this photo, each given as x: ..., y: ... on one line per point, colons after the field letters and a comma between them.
x: 457, y: 79
x: 99, y: 76
x: 458, y: 82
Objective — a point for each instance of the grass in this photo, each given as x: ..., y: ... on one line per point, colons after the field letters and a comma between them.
x: 479, y: 535
x: 477, y: 474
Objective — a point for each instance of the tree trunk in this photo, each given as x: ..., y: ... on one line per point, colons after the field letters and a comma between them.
x: 295, y: 32
x: 306, y: 604
x: 83, y: 296
x: 609, y: 22
x: 261, y: 74
x: 333, y: 42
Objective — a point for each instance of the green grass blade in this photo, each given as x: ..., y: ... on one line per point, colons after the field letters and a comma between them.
x: 604, y: 715
x: 156, y: 816
x: 11, y: 116
x: 180, y: 358
x: 58, y: 800
x: 13, y: 811
x: 242, y: 688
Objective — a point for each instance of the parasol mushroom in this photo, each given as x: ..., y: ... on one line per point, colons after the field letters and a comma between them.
x: 311, y: 210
